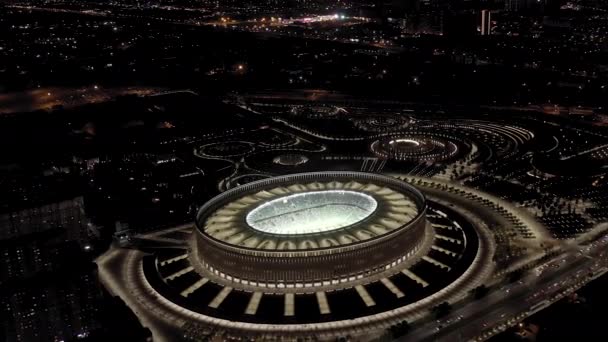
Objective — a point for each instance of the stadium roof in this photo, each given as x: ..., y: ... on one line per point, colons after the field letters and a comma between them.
x: 315, y: 212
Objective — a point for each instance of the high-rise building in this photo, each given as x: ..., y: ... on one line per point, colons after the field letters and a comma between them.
x: 486, y: 22
x: 58, y: 306
x: 67, y: 215
x: 48, y: 285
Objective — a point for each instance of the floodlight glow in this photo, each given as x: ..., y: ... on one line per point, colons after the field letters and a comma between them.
x: 405, y: 142
x: 311, y: 212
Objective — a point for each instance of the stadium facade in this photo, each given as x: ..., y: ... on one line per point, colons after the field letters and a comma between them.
x: 318, y: 228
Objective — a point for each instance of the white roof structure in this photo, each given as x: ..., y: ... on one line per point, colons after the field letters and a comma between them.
x: 311, y: 215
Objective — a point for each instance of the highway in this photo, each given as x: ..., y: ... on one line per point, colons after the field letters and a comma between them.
x: 494, y: 310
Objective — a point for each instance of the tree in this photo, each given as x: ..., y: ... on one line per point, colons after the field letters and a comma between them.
x: 442, y: 309
x: 399, y: 329
x: 479, y: 292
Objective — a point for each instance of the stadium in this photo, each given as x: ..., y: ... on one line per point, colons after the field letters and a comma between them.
x: 310, y: 255
x: 312, y: 227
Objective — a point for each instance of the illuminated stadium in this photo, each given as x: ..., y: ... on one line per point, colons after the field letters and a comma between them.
x: 286, y: 229
x: 310, y: 255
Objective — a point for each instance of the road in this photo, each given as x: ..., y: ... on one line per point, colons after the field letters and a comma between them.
x: 492, y: 311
